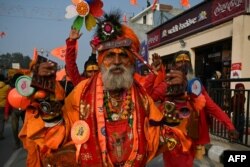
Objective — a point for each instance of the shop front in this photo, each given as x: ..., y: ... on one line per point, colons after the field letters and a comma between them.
x: 216, y: 33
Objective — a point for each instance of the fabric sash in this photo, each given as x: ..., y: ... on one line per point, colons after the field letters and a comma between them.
x: 94, y: 152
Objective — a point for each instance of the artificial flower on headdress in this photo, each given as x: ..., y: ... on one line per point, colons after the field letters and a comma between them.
x: 85, y: 11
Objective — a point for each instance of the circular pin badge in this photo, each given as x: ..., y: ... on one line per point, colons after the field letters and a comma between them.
x: 115, y: 117
x: 184, y: 112
x: 23, y: 86
x: 169, y: 106
x: 80, y: 132
x: 194, y: 87
x: 171, y: 143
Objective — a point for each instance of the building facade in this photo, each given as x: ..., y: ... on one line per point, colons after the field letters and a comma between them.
x: 146, y: 20
x: 215, y: 32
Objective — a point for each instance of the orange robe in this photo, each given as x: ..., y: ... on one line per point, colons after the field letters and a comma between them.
x: 41, y: 141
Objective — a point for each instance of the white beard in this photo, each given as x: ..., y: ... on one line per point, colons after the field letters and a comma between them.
x: 113, y: 82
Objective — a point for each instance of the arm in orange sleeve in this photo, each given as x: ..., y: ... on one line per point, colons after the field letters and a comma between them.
x: 70, y: 61
x: 213, y: 109
x: 155, y: 85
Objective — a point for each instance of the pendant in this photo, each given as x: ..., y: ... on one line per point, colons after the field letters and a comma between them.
x: 171, y: 143
x: 114, y: 102
x: 115, y: 117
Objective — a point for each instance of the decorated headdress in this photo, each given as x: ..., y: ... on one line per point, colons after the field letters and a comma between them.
x: 111, y: 33
x: 182, y: 56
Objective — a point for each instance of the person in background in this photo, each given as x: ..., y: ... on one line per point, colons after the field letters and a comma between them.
x: 238, y: 108
x: 4, y: 89
x: 15, y: 114
x: 66, y: 83
x: 194, y: 128
x: 144, y: 70
x: 215, y: 85
x: 216, y: 75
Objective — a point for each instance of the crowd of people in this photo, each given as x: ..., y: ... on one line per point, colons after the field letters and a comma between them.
x: 111, y: 116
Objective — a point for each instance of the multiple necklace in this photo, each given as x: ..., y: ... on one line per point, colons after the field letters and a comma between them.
x: 119, y: 107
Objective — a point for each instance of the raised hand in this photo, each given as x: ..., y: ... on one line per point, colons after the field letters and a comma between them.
x: 74, y: 34
x: 157, y: 62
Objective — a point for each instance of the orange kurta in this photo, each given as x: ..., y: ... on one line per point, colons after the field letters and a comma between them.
x: 40, y: 141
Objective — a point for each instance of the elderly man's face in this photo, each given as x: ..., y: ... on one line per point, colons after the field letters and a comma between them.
x: 117, y: 56
x: 117, y: 69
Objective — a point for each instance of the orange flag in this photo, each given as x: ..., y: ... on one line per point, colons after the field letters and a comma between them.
x: 60, y: 74
x: 35, y: 54
x: 133, y: 2
x: 185, y: 3
x: 154, y: 5
x: 59, y: 52
x: 2, y: 34
x: 34, y: 59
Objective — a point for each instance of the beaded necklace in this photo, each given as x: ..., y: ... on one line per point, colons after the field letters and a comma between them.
x: 118, y: 109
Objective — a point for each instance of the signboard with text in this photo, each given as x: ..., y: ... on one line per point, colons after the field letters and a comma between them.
x: 236, y: 70
x: 203, y: 16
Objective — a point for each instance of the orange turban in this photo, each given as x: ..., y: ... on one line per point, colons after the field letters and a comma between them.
x: 112, y: 34
x: 126, y: 33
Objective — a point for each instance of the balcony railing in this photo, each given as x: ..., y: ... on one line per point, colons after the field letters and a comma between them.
x: 221, y: 93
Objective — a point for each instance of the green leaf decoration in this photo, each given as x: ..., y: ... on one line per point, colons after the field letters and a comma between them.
x: 78, y: 22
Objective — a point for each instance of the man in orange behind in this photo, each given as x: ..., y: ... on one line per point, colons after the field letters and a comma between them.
x: 190, y: 135
x: 107, y: 120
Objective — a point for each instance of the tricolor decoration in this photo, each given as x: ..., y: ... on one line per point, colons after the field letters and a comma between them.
x: 85, y: 11
x: 194, y: 87
x: 23, y: 86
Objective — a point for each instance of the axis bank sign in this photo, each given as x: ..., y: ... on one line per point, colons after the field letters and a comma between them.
x: 227, y: 6
x: 189, y: 22
x: 207, y: 14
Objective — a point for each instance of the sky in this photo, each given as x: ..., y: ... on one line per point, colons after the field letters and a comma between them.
x: 41, y: 24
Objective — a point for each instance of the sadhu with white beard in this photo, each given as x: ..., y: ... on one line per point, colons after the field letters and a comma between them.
x: 109, y: 119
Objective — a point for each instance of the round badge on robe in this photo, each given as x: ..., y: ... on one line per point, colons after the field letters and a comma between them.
x: 184, y: 112
x: 194, y: 87
x: 23, y: 86
x: 80, y: 132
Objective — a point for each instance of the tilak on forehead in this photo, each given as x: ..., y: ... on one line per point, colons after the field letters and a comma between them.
x: 112, y: 34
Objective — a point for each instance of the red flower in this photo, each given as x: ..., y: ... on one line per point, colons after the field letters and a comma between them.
x: 96, y: 41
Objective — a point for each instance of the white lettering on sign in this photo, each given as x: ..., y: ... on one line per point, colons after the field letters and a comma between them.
x: 153, y: 39
x: 235, y: 158
x: 191, y: 21
x: 188, y: 23
x: 227, y: 6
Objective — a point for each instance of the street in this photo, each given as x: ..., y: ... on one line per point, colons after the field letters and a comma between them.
x: 16, y: 158
x: 6, y: 144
